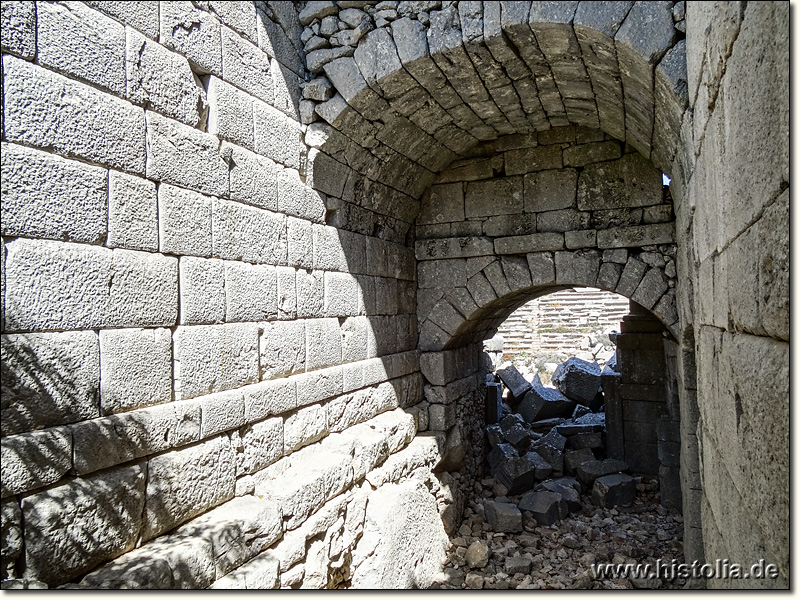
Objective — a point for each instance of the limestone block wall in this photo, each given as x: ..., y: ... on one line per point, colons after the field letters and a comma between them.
x: 732, y: 201
x: 200, y: 375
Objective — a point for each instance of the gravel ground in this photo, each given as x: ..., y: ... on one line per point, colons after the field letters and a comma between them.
x: 560, y: 556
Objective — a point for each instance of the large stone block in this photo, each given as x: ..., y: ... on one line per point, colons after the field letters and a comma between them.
x: 105, y: 130
x: 214, y: 358
x: 186, y: 483
x: 48, y: 379
x: 494, y: 197
x: 34, y: 460
x: 228, y: 108
x: 503, y: 516
x: 562, y: 221
x: 47, y: 196
x: 247, y: 233
x: 305, y: 426
x: 194, y: 33
x: 283, y: 348
x: 184, y: 223
x: 277, y: 136
x: 10, y: 537
x: 319, y: 385
x: 254, y: 178
x: 533, y: 159
x: 260, y: 573
x: 324, y: 343
x: 251, y: 292
x: 389, y: 554
x: 132, y: 212
x: 297, y: 199
x: 625, y: 183
x: 535, y: 242
x: 19, y: 28
x: 82, y: 43
x: 269, y: 398
x: 74, y: 526
x: 341, y: 295
x: 181, y: 155
x: 141, y: 15
x: 613, y: 490
x: 202, y: 290
x: 246, y: 66
x: 550, y: 190
x: 578, y: 379
x: 641, y: 235
x: 135, y: 368
x: 53, y: 285
x: 546, y: 507
x: 262, y: 445
x: 442, y: 204
x: 162, y: 80
x: 310, y: 293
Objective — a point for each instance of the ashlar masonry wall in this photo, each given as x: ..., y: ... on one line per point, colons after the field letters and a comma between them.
x: 199, y: 374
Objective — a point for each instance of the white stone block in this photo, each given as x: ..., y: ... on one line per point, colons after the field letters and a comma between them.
x: 305, y: 426
x: 82, y: 43
x: 341, y: 295
x: 251, y: 292
x: 132, y: 212
x: 47, y: 196
x: 262, y: 445
x: 143, y: 15
x: 181, y: 155
x: 246, y: 66
x: 354, y: 338
x: 162, y: 80
x: 136, y: 368
x: 283, y: 348
x: 19, y: 28
x: 184, y: 224
x: 261, y: 573
x: 214, y: 358
x: 192, y: 32
x: 230, y: 113
x: 41, y: 110
x: 202, y: 290
x: 36, y: 459
x: 248, y: 233
x: 297, y: 199
x: 329, y: 251
x: 73, y: 527
x: 310, y: 293
x: 116, y: 439
x: 323, y: 343
x: 269, y: 398
x: 254, y: 178
x: 317, y: 386
x: 186, y: 483
x: 277, y: 136
x: 221, y: 412
x: 48, y: 379
x: 300, y: 243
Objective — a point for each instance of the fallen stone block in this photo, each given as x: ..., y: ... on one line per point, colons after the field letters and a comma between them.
x: 546, y: 425
x: 514, y: 432
x: 551, y: 448
x: 570, y: 429
x: 513, y: 380
x: 592, y: 469
x: 546, y: 507
x: 541, y: 403
x: 580, y: 410
x: 517, y: 473
x: 573, y: 459
x: 518, y: 564
x: 570, y: 495
x: 503, y: 517
x: 613, y: 490
x: 494, y: 435
x: 578, y: 379
x: 586, y: 440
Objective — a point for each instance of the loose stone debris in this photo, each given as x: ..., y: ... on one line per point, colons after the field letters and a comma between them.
x: 554, y: 503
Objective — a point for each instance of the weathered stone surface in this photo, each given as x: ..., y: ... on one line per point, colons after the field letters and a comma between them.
x: 613, y: 490
x: 641, y: 235
x: 132, y: 212
x: 135, y: 368
x: 247, y: 233
x: 162, y: 80
x: 625, y: 183
x: 260, y: 573
x: 142, y: 15
x: 590, y: 470
x: 36, y: 459
x: 514, y: 380
x: 269, y: 398
x: 186, y: 483
x: 535, y: 242
x: 39, y: 111
x: 404, y: 543
x: 19, y: 28
x: 47, y: 196
x: 184, y: 224
x: 578, y: 379
x: 546, y: 507
x: 477, y: 555
x: 544, y: 403
x: 226, y: 106
x: 550, y: 190
x: 194, y: 33
x: 214, y: 358
x: 202, y: 290
x: 574, y: 458
x: 251, y: 292
x: 564, y: 488
x: 72, y: 527
x: 503, y: 517
x: 11, y: 542
x: 494, y: 197
x: 246, y: 66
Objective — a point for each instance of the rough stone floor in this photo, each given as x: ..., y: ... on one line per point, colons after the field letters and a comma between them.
x: 560, y: 556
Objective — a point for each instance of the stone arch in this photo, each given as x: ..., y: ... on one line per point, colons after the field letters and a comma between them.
x: 418, y: 93
x: 471, y: 313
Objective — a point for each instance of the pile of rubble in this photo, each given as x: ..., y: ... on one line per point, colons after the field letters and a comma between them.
x: 555, y: 504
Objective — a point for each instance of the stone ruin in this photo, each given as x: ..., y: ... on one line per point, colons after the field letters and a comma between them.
x: 251, y: 251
